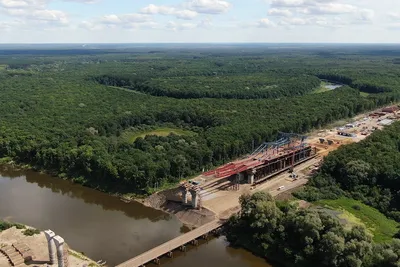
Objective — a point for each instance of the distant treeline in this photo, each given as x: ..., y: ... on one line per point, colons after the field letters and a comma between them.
x: 238, y: 87
x: 367, y: 88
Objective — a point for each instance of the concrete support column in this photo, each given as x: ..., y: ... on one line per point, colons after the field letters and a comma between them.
x: 185, y: 196
x: 195, y: 199
x: 241, y: 176
x: 59, y: 241
x: 251, y: 177
x: 51, y: 245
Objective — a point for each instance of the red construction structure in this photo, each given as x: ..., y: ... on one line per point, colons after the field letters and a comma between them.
x: 391, y: 109
x: 267, y: 160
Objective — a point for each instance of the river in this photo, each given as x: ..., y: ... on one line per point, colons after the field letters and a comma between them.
x: 102, y: 226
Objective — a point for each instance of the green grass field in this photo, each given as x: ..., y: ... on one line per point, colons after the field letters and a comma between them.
x: 376, y: 223
x: 165, y: 131
x: 321, y: 88
x: 3, y: 67
x: 363, y: 94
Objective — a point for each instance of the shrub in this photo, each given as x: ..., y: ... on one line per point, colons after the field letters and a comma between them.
x: 31, y: 232
x: 6, y: 225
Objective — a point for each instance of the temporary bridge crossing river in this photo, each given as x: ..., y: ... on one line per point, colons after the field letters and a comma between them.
x: 168, y: 247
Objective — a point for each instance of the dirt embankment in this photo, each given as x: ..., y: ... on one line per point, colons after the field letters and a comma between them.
x: 170, y: 201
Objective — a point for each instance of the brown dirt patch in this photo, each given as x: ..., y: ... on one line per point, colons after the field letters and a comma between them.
x: 38, y: 245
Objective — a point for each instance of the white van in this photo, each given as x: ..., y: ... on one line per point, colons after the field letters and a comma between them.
x: 281, y: 187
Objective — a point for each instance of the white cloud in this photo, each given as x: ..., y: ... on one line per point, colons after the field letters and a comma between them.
x: 185, y: 14
x: 279, y: 12
x: 90, y: 25
x: 265, y: 23
x: 294, y: 21
x: 167, y: 10
x: 394, y: 15
x: 330, y: 8
x: 34, y: 12
x: 394, y: 26
x: 124, y: 18
x: 111, y: 19
x: 176, y: 26
x: 287, y: 3
x: 83, y: 1
x: 209, y: 6
x: 365, y: 15
x: 47, y: 15
x: 180, y: 26
x: 31, y: 4
x: 153, y: 9
x: 9, y: 25
x: 315, y: 12
x: 314, y: 21
x: 205, y: 23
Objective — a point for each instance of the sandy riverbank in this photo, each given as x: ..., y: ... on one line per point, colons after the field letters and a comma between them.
x: 38, y: 245
x: 169, y: 202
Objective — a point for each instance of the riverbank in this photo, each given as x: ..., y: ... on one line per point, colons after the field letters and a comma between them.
x: 38, y: 248
x: 168, y: 201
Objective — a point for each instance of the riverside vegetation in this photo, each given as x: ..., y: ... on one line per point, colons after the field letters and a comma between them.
x: 83, y: 114
x: 360, y: 178
x: 305, y: 237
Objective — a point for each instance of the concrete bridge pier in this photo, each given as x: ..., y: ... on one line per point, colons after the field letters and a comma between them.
x: 51, y: 245
x: 59, y: 241
x: 251, y: 174
x: 185, y: 196
x: 240, y: 177
x: 195, y: 198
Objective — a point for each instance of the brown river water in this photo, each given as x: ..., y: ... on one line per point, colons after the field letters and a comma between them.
x: 102, y: 226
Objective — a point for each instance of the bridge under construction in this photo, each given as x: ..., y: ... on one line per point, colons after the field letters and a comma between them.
x: 268, y: 160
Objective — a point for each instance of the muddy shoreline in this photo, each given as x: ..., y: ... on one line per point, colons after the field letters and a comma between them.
x: 167, y: 201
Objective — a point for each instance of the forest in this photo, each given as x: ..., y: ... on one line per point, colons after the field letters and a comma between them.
x: 368, y: 171
x: 74, y: 112
x: 292, y: 236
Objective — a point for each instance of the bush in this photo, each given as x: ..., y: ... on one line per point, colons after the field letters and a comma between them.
x: 31, y: 232
x: 7, y: 225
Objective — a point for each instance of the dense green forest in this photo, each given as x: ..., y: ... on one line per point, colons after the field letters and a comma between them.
x: 70, y: 111
x: 368, y: 171
x: 305, y: 237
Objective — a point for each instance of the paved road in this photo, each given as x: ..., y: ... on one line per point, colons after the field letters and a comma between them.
x: 163, y: 249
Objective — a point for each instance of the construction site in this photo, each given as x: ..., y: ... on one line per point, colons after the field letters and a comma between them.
x: 275, y: 167
x: 278, y: 166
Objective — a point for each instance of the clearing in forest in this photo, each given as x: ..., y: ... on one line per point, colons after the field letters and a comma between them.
x: 355, y: 213
x: 165, y: 131
x: 325, y: 87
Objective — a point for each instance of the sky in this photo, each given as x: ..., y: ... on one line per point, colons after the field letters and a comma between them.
x: 197, y: 21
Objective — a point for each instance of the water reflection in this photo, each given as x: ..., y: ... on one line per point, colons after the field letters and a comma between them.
x: 87, y: 195
x: 102, y: 226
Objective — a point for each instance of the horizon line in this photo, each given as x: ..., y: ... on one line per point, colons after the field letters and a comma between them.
x: 30, y: 43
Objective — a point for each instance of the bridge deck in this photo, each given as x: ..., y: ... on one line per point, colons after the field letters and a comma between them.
x: 175, y: 243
